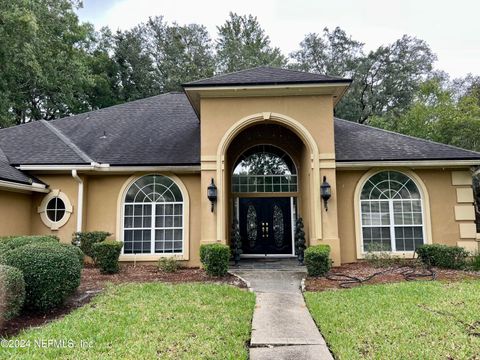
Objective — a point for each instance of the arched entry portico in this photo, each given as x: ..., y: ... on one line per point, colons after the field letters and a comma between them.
x: 307, y: 158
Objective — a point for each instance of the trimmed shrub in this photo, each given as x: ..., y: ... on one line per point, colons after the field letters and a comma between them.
x: 12, y: 242
x: 85, y: 240
x: 475, y: 262
x: 12, y: 292
x: 168, y: 264
x: 442, y: 256
x: 214, y: 258
x: 317, y: 260
x: 77, y: 251
x: 106, y: 254
x: 51, y: 273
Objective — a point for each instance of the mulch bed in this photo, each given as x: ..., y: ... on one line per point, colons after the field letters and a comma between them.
x: 93, y: 282
x: 363, y: 270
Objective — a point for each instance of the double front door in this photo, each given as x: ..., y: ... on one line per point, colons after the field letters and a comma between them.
x: 266, y: 225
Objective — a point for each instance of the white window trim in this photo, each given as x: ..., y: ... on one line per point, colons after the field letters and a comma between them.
x: 42, y: 209
x: 185, y: 254
x: 425, y: 202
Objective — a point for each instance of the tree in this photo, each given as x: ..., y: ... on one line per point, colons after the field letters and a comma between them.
x: 384, y: 80
x: 43, y: 60
x: 437, y: 114
x: 136, y: 76
x: 180, y: 53
x: 242, y: 44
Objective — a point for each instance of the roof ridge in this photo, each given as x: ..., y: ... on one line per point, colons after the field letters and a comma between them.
x: 4, y: 156
x: 67, y: 141
x: 408, y: 136
x: 220, y: 75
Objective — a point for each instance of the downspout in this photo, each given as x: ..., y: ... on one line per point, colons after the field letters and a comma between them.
x: 79, y: 200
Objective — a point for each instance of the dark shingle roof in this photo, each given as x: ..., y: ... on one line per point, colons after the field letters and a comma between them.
x: 164, y: 130
x: 35, y: 143
x: 159, y: 130
x: 9, y: 173
x: 356, y: 142
x: 265, y: 75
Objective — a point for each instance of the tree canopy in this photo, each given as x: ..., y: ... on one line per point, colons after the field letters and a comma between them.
x: 53, y: 65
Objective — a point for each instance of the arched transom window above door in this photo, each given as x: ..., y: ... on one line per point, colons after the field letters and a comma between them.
x: 391, y: 212
x: 264, y: 169
x: 153, y: 217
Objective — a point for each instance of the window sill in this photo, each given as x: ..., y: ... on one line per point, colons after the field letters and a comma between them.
x: 151, y: 257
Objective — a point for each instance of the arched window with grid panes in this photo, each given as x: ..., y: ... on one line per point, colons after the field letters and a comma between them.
x: 391, y: 212
x: 153, y: 217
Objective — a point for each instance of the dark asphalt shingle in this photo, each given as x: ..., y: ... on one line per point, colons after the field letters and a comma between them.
x: 159, y: 130
x: 264, y: 75
x: 10, y: 173
x: 356, y: 142
x: 35, y: 143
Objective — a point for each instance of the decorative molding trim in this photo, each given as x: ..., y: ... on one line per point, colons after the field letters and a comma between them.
x: 461, y: 178
x: 465, y: 195
x: 464, y: 212
x: 468, y: 230
x: 42, y: 209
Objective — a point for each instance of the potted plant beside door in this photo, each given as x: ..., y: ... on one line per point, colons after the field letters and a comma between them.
x: 300, y: 240
x: 236, y: 242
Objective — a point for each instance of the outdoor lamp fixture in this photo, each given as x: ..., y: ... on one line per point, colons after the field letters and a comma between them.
x: 325, y: 192
x: 212, y: 193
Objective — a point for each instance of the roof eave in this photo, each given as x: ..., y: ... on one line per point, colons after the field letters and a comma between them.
x: 423, y: 163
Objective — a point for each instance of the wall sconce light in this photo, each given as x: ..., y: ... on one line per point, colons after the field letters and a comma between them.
x: 325, y: 192
x: 212, y: 193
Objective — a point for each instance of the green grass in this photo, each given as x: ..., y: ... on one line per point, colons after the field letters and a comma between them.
x: 150, y: 321
x: 415, y: 320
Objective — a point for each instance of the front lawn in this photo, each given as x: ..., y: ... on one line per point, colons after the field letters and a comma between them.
x: 412, y: 320
x: 147, y: 321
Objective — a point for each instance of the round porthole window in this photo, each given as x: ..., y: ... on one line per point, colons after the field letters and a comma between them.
x: 55, y: 209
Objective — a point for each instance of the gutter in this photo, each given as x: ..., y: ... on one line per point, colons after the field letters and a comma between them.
x: 79, y: 200
x: 410, y: 164
x: 35, y: 187
x: 96, y: 167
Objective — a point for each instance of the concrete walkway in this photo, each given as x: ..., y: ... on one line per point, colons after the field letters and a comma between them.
x: 282, y: 327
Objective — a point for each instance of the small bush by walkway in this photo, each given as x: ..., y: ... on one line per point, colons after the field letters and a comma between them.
x: 410, y: 320
x: 148, y: 321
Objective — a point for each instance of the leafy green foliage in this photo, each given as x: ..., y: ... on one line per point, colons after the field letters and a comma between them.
x: 385, y: 80
x: 442, y: 256
x: 243, y: 44
x: 474, y: 262
x: 12, y: 292
x: 317, y: 260
x: 42, y: 52
x: 85, y: 240
x: 77, y: 251
x: 409, y: 320
x: 51, y: 273
x: 214, y: 258
x: 300, y: 244
x: 437, y: 114
x: 198, y: 321
x: 168, y: 264
x: 106, y: 254
x: 12, y: 242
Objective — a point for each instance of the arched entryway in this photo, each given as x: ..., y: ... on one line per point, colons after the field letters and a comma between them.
x: 268, y: 171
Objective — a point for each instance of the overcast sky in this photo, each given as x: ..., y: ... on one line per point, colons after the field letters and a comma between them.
x: 451, y: 28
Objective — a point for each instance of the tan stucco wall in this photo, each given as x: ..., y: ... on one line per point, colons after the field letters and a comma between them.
x: 443, y: 199
x: 66, y: 184
x: 15, y: 216
x: 315, y: 114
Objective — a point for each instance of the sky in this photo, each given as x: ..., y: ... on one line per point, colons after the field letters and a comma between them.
x: 451, y: 28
